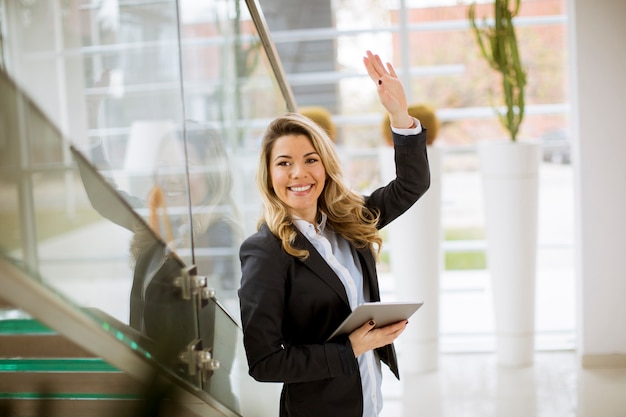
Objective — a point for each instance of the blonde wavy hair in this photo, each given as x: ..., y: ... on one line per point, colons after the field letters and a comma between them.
x: 346, y: 211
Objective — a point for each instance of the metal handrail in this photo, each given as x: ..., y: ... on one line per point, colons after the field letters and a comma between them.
x: 272, y: 54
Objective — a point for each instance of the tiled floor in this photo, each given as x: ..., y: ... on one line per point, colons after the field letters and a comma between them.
x: 472, y: 385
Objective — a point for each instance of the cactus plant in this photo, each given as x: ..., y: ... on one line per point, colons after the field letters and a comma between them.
x: 498, y: 45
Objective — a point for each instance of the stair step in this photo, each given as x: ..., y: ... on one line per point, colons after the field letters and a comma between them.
x: 69, y: 382
x: 48, y: 345
x: 28, y: 338
x: 64, y: 376
x: 51, y: 407
x: 55, y: 365
x: 86, y: 404
x: 65, y: 396
x: 23, y: 326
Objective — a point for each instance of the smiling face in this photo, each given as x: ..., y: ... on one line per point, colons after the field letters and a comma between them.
x: 171, y: 173
x: 172, y: 176
x: 297, y: 175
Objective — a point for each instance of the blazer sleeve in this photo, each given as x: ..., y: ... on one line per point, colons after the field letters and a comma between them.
x: 411, y: 182
x: 266, y: 272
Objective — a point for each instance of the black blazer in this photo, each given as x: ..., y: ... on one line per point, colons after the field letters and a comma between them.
x: 289, y: 307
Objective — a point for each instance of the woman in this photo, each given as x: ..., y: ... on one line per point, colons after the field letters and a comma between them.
x: 312, y: 262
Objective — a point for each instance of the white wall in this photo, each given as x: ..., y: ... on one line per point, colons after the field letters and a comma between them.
x: 599, y: 123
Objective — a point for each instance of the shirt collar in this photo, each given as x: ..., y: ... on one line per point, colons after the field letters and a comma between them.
x: 307, y: 228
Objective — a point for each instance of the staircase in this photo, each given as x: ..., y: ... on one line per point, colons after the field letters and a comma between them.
x: 44, y: 374
x: 60, y: 360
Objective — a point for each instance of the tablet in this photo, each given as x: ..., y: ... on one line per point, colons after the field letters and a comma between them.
x: 383, y: 313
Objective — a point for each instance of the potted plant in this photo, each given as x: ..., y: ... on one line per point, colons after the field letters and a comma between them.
x: 510, y: 172
x: 414, y: 241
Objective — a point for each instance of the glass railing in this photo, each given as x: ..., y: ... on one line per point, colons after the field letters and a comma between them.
x: 128, y: 140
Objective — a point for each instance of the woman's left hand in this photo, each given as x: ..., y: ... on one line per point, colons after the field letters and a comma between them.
x: 367, y: 337
x: 390, y: 90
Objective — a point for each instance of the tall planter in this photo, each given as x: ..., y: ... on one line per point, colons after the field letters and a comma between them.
x: 416, y: 261
x: 510, y: 175
x: 415, y: 249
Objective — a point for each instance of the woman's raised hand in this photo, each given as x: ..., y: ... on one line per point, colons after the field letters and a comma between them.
x: 390, y: 90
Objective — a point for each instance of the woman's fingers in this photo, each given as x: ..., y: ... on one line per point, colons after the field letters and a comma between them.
x: 379, y: 68
x: 394, y: 329
x: 367, y: 337
x: 362, y: 331
x: 386, y: 335
x: 375, y: 67
x: 371, y: 70
x: 391, y: 70
x: 397, y: 330
x: 377, y: 63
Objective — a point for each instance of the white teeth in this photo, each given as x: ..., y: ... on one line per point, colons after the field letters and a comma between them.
x: 300, y: 189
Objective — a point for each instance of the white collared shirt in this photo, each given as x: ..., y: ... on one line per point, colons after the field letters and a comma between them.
x: 343, y: 259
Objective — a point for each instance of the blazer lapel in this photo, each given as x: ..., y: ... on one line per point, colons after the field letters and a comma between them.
x: 316, y: 263
x: 371, y: 292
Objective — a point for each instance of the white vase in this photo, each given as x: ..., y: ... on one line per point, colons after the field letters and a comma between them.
x: 510, y: 175
x: 416, y: 260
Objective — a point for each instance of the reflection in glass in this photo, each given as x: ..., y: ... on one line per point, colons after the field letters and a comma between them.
x: 215, y: 217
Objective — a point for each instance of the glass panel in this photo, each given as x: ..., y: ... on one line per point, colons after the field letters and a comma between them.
x: 117, y: 179
x: 230, y: 93
x: 122, y: 275
x: 218, y: 333
x: 11, y: 217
